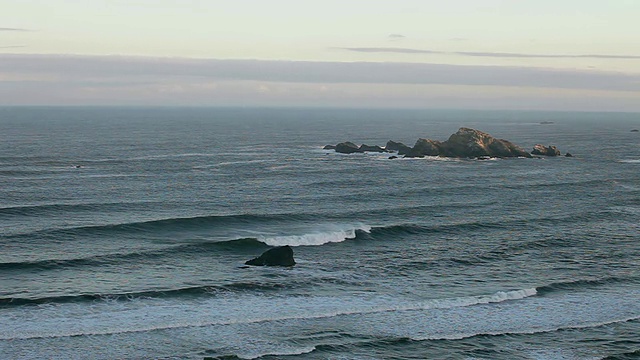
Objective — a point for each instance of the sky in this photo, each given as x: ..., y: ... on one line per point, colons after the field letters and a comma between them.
x: 488, y: 54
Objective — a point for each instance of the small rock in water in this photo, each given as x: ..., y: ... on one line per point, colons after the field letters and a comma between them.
x: 278, y: 256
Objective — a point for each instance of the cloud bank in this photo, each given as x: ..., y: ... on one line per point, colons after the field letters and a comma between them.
x: 105, y: 80
x: 489, y: 54
x: 77, y: 68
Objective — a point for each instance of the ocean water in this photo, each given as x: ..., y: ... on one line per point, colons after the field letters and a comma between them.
x: 123, y: 232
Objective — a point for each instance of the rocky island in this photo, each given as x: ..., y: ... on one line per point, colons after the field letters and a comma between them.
x: 465, y: 143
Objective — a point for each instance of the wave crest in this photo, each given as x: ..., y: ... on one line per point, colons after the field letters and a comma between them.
x: 316, y: 238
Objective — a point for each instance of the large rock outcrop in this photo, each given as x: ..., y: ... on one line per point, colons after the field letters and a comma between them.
x: 471, y: 143
x: 277, y: 256
x: 465, y: 143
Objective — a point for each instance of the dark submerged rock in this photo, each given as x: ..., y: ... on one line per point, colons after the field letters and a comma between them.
x: 401, y: 148
x: 392, y: 157
x: 635, y: 130
x: 568, y: 155
x: 329, y: 147
x: 277, y: 256
x: 369, y: 148
x: 540, y: 149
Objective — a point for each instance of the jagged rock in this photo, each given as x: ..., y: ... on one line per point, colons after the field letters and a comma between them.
x: 347, y: 148
x: 369, y: 148
x: 401, y: 148
x: 539, y: 149
x: 329, y: 147
x: 277, y: 256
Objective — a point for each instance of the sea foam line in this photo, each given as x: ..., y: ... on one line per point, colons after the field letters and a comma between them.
x: 153, y: 314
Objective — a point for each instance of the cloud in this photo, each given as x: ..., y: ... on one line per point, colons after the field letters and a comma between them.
x: 391, y: 50
x: 396, y: 36
x: 13, y: 29
x: 12, y: 46
x: 121, y: 69
x: 489, y: 54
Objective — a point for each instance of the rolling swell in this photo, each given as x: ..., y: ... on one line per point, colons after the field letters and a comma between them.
x: 173, y: 293
x: 360, y: 234
x: 171, y: 224
x: 211, y: 222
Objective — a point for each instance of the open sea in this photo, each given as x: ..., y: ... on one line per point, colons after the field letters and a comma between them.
x: 123, y: 232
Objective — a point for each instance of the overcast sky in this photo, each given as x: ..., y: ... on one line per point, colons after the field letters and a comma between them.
x: 510, y: 54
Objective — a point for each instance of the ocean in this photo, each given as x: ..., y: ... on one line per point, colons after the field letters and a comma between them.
x: 123, y: 234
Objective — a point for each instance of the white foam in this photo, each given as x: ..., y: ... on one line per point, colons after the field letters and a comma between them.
x: 629, y: 161
x: 314, y: 238
x: 250, y: 326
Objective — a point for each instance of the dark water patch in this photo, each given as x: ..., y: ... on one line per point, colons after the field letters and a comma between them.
x: 242, y: 245
x: 48, y: 209
x: 630, y: 355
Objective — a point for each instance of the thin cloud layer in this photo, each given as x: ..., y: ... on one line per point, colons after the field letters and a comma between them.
x: 489, y: 54
x: 13, y: 29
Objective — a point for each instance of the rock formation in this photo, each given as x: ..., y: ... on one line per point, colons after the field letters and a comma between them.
x: 465, y: 143
x: 277, y: 256
x: 539, y: 149
x: 350, y: 148
x: 425, y: 147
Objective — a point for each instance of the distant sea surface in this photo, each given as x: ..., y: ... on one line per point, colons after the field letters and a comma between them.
x: 123, y: 232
